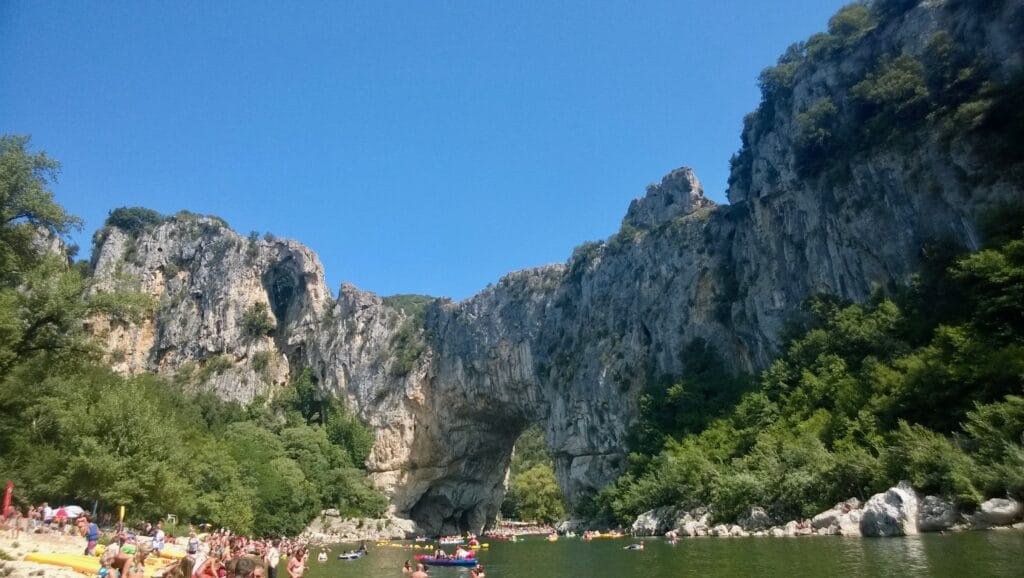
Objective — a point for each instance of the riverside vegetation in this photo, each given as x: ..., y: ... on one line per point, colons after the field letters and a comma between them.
x: 71, y: 429
x: 924, y: 386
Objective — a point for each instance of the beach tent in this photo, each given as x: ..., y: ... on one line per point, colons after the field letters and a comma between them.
x: 72, y: 512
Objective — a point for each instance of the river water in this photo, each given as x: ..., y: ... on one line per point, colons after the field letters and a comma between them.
x: 963, y: 554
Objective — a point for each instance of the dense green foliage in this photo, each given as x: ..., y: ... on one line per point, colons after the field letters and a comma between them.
x: 678, y: 407
x: 72, y: 430
x: 533, y: 494
x: 925, y: 386
x: 133, y: 220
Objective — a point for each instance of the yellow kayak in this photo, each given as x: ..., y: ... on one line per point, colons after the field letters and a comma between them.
x: 79, y: 563
x: 479, y: 546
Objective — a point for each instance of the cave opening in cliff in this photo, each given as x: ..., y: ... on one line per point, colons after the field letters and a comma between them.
x: 284, y: 285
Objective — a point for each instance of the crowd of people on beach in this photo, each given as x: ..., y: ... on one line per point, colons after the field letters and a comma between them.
x: 217, y: 554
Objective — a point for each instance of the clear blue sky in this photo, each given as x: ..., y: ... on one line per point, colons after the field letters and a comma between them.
x: 418, y: 147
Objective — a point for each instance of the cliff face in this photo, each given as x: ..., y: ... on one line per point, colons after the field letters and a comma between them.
x: 570, y: 346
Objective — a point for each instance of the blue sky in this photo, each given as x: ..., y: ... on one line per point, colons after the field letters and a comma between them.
x: 418, y: 147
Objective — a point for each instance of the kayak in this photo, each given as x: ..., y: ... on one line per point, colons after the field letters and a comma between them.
x: 478, y: 546
x: 451, y: 542
x: 431, y: 561
x: 79, y: 563
x: 352, y: 555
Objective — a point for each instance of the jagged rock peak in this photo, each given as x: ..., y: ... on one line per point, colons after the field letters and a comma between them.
x: 679, y: 194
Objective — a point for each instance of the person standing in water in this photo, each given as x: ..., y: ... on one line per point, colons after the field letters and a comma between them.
x: 297, y: 564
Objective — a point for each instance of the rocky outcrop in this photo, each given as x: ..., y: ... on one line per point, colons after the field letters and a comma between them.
x: 331, y: 528
x: 448, y: 390
x: 204, y: 280
x: 891, y: 513
x: 998, y: 512
x: 678, y: 195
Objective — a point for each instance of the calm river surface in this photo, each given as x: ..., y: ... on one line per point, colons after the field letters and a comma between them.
x: 968, y: 554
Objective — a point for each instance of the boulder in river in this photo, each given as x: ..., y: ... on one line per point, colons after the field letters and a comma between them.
x: 891, y: 513
x: 935, y: 514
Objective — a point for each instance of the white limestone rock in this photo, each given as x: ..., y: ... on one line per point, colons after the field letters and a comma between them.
x: 891, y: 513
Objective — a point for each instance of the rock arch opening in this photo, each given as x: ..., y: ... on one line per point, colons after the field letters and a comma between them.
x: 533, y: 493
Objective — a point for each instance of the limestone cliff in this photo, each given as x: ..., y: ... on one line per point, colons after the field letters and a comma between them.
x: 448, y: 390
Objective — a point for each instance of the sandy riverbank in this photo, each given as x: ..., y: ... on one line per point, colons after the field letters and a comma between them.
x: 26, y: 543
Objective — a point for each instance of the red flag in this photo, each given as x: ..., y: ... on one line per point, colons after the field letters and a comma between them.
x: 7, y: 497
